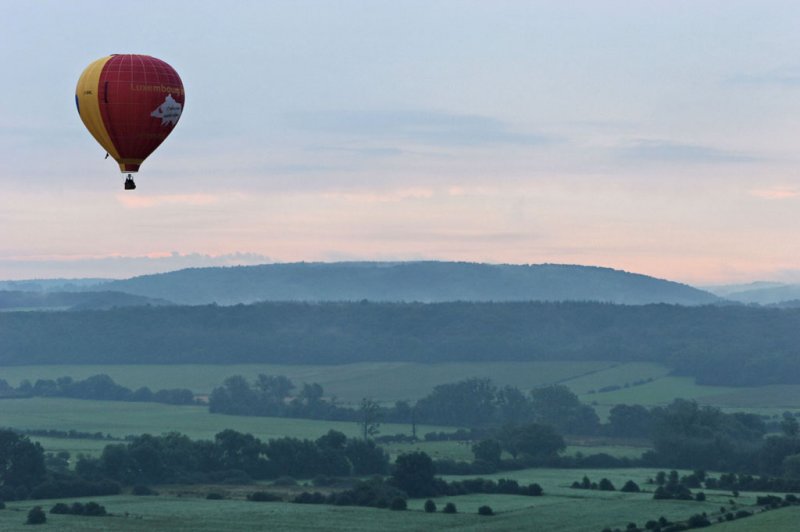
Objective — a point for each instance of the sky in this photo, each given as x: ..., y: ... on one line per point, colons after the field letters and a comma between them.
x: 657, y: 137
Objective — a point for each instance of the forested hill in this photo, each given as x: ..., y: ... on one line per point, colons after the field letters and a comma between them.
x: 717, y: 344
x: 43, y: 300
x: 409, y: 281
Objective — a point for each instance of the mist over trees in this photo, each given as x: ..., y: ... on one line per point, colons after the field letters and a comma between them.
x: 717, y: 345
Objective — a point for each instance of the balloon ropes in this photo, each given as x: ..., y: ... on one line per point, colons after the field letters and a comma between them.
x: 130, y: 104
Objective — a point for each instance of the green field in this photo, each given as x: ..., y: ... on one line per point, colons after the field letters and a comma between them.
x: 560, y: 509
x: 782, y: 520
x: 383, y: 381
x: 388, y: 382
x: 120, y: 419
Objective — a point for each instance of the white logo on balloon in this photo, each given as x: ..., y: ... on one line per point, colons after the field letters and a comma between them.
x: 169, y: 112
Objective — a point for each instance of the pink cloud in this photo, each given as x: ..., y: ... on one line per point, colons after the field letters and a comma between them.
x: 775, y: 193
x: 138, y: 201
x: 390, y: 196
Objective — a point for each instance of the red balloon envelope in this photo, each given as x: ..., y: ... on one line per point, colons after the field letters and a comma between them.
x: 130, y: 104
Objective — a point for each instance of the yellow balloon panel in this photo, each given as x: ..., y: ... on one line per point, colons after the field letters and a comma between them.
x: 88, y: 99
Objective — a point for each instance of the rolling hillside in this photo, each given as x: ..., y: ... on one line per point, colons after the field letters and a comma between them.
x: 409, y: 281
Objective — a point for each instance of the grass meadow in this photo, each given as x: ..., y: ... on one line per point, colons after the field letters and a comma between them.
x: 560, y: 509
x: 121, y: 418
x: 388, y: 382
x: 349, y: 383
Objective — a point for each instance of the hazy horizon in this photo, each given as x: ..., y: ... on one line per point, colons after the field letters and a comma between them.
x: 119, y: 267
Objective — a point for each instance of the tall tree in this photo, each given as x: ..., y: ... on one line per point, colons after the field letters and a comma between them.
x: 369, y: 417
x: 414, y: 474
x: 21, y: 461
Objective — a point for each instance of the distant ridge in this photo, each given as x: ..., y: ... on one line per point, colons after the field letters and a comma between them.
x: 766, y: 294
x: 11, y: 300
x: 407, y: 282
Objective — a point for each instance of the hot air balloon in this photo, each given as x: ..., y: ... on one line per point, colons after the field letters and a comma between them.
x: 130, y: 104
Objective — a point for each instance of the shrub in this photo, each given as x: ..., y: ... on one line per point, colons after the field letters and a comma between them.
x: 605, y: 485
x: 743, y: 513
x: 430, y: 506
x: 36, y: 516
x: 449, y: 508
x: 700, y: 497
x: 630, y: 487
x: 2, y: 505
x: 143, y: 491
x: 398, y: 504
x: 309, y: 498
x: 768, y: 500
x: 59, y: 508
x: 214, y: 496
x: 698, y: 521
x: 94, y: 509
x: 485, y: 510
x: 263, y: 496
x: 534, y: 490
x: 323, y: 480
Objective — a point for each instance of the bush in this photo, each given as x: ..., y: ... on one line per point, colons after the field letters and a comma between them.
x: 449, y: 508
x: 2, y: 505
x: 263, y: 496
x: 534, y: 490
x: 430, y: 506
x: 698, y: 521
x: 630, y: 487
x: 94, y: 509
x: 323, y: 480
x: 485, y: 510
x: 309, y: 498
x: 768, y: 500
x: 397, y: 504
x: 60, y: 508
x: 143, y: 491
x: 213, y: 496
x: 700, y: 497
x: 36, y: 516
x: 605, y: 485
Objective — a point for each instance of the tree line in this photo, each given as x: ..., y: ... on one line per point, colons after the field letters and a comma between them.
x: 474, y: 402
x: 732, y: 345
x: 97, y: 387
x: 232, y: 457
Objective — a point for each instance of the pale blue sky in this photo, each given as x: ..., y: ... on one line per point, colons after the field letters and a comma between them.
x: 659, y: 137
